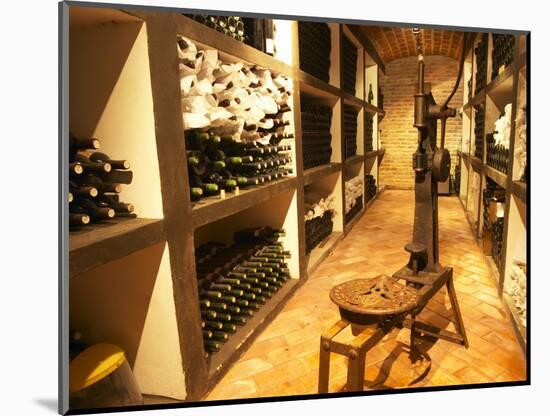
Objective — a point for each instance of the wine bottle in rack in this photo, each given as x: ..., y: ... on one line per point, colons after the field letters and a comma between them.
x: 240, y: 137
x: 315, y: 49
x: 370, y: 187
x: 349, y: 65
x: 503, y: 53
x: 350, y: 131
x: 318, y: 224
x: 353, y: 197
x: 95, y: 184
x: 236, y: 279
x: 368, y: 132
x: 316, y: 136
x: 481, y: 52
x: 479, y: 120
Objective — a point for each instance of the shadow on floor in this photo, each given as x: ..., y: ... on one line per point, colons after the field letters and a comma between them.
x: 48, y: 404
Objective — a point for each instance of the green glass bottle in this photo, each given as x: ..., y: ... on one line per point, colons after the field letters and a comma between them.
x: 371, y: 95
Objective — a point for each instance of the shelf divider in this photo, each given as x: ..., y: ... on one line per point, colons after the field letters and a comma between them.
x: 209, y: 210
x: 314, y: 174
x: 98, y: 244
x: 499, y: 177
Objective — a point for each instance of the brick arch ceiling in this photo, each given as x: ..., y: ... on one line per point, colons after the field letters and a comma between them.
x: 398, y: 42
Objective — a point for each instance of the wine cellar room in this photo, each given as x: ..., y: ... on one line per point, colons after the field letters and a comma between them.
x: 262, y: 207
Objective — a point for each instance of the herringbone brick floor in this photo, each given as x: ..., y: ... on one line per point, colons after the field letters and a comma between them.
x: 284, y: 360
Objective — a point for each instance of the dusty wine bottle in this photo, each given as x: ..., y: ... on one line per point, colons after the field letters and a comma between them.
x: 93, y: 167
x: 94, y: 211
x: 78, y: 219
x: 101, y: 186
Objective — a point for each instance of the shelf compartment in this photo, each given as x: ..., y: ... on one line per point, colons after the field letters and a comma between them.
x: 519, y: 330
x: 239, y: 342
x: 319, y: 172
x: 322, y: 251
x: 314, y: 48
x: 208, y: 36
x: 516, y: 249
x: 208, y: 210
x: 100, y: 243
x: 499, y: 177
x: 113, y: 102
x: 129, y: 302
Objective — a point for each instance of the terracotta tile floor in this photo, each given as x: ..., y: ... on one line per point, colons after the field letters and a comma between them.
x: 284, y: 360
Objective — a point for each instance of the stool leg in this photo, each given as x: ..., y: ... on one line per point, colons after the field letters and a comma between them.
x: 413, y: 325
x: 324, y: 365
x: 456, y: 310
x: 356, y: 370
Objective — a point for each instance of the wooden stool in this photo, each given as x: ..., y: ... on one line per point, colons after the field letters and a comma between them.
x: 384, y: 303
x: 380, y: 302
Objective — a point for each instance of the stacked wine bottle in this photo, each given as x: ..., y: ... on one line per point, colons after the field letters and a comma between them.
x: 479, y: 129
x: 497, y: 154
x: 260, y: 34
x: 232, y: 26
x: 353, y: 198
x: 496, y: 239
x: 95, y: 183
x: 503, y: 52
x: 520, y: 152
x: 349, y: 65
x: 220, y: 163
x: 234, y: 117
x: 314, y: 49
x: 317, y: 229
x: 350, y: 131
x: 368, y: 132
x: 370, y: 187
x: 481, y: 63
x: 457, y: 175
x: 235, y: 280
x: 316, y: 137
x: 318, y: 219
x: 491, y: 194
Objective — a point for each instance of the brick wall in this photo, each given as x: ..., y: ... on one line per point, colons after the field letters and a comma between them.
x: 398, y: 135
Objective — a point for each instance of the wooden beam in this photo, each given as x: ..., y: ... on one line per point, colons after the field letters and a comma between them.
x: 368, y: 45
x: 163, y: 62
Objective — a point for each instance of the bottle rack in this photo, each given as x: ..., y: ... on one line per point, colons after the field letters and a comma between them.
x: 133, y: 104
x: 478, y: 168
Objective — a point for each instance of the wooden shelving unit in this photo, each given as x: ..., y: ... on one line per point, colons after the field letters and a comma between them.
x: 510, y: 86
x: 132, y: 103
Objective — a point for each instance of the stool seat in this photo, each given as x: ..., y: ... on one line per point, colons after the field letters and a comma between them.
x: 364, y: 301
